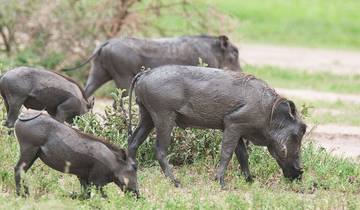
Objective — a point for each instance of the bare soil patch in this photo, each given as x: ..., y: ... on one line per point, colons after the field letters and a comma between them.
x: 309, y: 59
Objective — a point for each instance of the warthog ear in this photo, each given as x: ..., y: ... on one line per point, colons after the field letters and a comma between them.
x: 90, y: 102
x: 224, y: 42
x: 292, y: 108
x: 122, y: 155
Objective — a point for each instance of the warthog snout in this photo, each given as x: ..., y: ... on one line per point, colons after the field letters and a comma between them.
x: 134, y: 192
x: 294, y: 173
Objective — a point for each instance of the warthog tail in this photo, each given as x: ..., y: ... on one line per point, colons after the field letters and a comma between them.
x: 135, y: 79
x: 97, y: 52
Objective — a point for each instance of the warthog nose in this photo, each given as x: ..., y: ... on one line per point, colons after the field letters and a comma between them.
x: 137, y: 193
x: 134, y: 192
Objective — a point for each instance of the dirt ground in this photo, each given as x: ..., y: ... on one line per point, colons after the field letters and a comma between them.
x: 310, y: 59
x: 337, y: 139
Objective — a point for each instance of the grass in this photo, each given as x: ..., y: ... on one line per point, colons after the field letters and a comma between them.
x: 328, y: 182
x: 314, y: 23
x: 321, y: 81
x: 318, y: 23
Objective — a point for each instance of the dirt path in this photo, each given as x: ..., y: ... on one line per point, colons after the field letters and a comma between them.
x: 335, y: 61
x: 339, y: 140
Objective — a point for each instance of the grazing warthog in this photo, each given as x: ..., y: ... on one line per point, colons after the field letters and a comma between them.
x: 94, y: 161
x: 240, y: 105
x: 39, y: 89
x: 121, y: 59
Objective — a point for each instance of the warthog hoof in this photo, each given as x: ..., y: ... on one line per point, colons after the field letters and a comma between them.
x: 249, y: 179
x: 177, y: 183
x: 221, y: 180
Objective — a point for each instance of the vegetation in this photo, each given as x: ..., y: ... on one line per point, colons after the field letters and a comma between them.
x: 318, y: 23
x: 329, y: 182
x: 325, y: 180
x: 321, y: 81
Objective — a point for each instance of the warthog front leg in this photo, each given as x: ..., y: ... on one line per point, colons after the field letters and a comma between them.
x: 230, y: 139
x: 242, y: 156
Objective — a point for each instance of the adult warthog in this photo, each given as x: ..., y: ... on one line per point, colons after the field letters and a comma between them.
x: 94, y: 161
x: 240, y: 105
x: 121, y: 59
x: 39, y: 89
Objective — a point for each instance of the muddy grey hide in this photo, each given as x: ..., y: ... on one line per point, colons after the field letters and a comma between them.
x: 39, y: 89
x: 93, y: 160
x: 240, y: 105
x: 121, y: 59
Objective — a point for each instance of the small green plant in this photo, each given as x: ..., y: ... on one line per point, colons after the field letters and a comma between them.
x: 305, y: 110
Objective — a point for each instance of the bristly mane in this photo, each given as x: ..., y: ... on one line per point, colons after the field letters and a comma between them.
x: 247, y: 77
x: 117, y: 151
x: 72, y: 81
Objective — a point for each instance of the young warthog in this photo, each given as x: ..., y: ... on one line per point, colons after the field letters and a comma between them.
x: 121, y: 59
x: 39, y: 89
x: 94, y: 161
x: 238, y: 104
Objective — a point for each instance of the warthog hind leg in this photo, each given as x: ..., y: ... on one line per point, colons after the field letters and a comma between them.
x: 243, y: 157
x: 164, y: 126
x: 28, y: 155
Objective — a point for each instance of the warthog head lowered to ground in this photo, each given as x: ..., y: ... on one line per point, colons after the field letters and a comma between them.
x: 287, y: 130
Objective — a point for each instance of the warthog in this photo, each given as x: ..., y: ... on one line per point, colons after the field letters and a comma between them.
x: 93, y: 160
x: 39, y: 89
x: 240, y: 105
x: 121, y: 59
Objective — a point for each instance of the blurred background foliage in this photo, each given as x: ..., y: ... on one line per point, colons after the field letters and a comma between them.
x: 58, y: 33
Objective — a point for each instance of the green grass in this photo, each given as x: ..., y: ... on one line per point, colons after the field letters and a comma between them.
x: 328, y: 182
x: 321, y: 81
x: 315, y: 23
x: 319, y: 23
